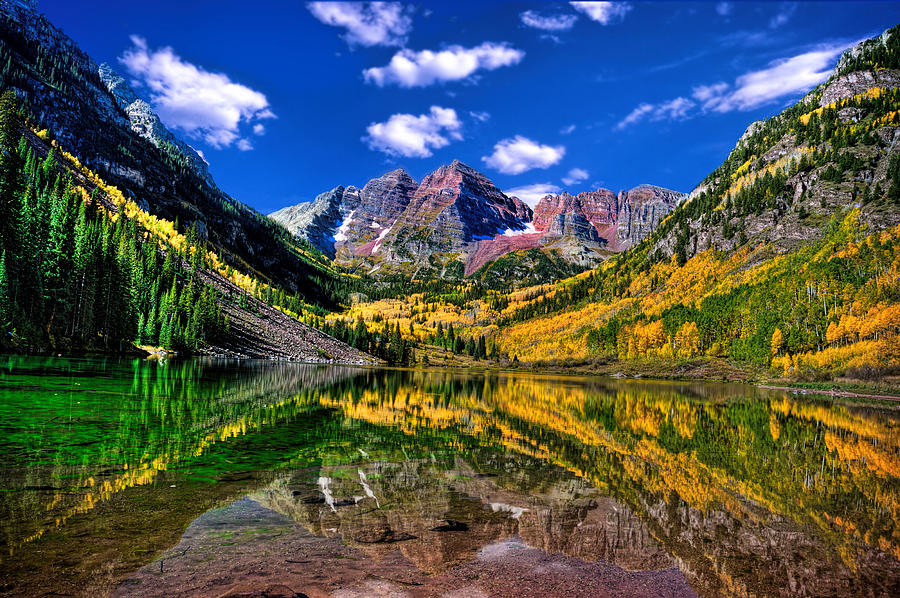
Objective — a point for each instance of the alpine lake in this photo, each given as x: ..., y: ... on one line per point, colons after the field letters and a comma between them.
x: 199, y: 477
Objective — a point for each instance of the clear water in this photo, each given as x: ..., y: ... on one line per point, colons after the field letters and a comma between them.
x: 110, y: 469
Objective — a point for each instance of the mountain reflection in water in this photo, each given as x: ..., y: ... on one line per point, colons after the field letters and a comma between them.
x: 735, y: 490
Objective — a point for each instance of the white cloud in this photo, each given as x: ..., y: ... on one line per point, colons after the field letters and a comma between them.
x: 202, y: 104
x: 676, y: 109
x: 419, y: 69
x: 575, y: 176
x: 259, y: 129
x: 244, y: 145
x: 536, y: 20
x: 520, y: 154
x: 603, y: 12
x: 709, y: 95
x: 723, y: 9
x: 635, y: 115
x: 480, y: 116
x: 567, y: 130
x: 367, y: 23
x: 784, y: 14
x: 782, y: 77
x: 413, y: 136
x: 531, y: 194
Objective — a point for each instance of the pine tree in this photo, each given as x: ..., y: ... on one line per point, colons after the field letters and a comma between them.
x: 481, y: 349
x: 10, y: 165
x: 5, y: 304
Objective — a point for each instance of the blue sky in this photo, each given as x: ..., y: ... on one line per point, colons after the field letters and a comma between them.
x: 296, y: 98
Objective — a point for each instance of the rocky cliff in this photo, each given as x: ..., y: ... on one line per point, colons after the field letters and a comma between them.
x: 146, y: 123
x: 641, y: 211
x: 618, y: 221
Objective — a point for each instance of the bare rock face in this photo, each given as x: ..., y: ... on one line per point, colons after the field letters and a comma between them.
x: 598, y: 208
x: 857, y: 82
x: 574, y: 225
x: 618, y: 221
x: 642, y: 209
x: 386, y: 197
x: 341, y: 222
x: 315, y: 221
x: 461, y: 199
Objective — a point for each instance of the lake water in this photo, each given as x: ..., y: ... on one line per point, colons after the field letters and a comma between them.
x: 218, y: 478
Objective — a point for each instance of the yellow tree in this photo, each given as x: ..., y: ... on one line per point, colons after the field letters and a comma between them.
x: 777, y: 342
x: 687, y: 340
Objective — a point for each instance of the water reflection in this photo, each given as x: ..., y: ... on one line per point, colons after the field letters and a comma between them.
x: 746, y: 491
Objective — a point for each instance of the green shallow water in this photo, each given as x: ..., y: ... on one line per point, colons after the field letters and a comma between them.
x: 107, y: 466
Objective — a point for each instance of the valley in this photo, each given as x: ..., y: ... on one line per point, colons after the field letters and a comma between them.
x: 781, y: 264
x: 502, y: 300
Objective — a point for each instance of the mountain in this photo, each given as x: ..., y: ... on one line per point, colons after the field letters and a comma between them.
x: 782, y: 263
x: 457, y: 219
x: 114, y: 234
x: 94, y: 114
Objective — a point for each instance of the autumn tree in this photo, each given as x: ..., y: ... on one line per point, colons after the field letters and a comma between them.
x: 777, y: 342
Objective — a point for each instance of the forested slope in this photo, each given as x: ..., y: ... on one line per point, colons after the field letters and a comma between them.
x: 82, y: 267
x: 62, y: 90
x: 786, y: 258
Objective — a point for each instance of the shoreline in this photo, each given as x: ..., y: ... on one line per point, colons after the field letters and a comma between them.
x: 708, y: 371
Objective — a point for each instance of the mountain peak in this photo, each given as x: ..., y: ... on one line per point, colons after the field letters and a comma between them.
x: 463, y: 167
x: 146, y: 123
x: 398, y: 174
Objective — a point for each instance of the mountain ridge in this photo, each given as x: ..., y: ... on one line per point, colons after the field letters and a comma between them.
x: 457, y: 214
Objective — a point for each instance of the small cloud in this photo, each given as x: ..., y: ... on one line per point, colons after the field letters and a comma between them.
x: 567, y: 130
x: 603, y: 12
x: 785, y: 12
x: 520, y: 154
x: 413, y: 136
x: 709, y: 95
x: 575, y: 176
x: 204, y: 105
x: 532, y: 194
x: 259, y: 129
x: 536, y: 20
x: 723, y: 9
x: 367, y: 23
x: 480, y: 116
x: 747, y: 39
x: 244, y: 145
x: 676, y: 109
x: 420, y: 69
x: 636, y: 115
